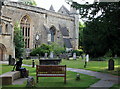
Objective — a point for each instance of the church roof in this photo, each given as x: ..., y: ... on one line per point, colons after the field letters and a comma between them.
x: 51, y: 8
x: 67, y: 42
x: 64, y: 31
x: 63, y: 10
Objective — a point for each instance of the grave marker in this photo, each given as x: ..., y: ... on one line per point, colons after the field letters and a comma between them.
x: 111, y: 64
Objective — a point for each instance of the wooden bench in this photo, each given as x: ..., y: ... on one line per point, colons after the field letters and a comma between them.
x: 51, y: 71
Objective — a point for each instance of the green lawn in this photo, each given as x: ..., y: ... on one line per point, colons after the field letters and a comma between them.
x: 116, y: 86
x: 85, y: 81
x: 99, y: 66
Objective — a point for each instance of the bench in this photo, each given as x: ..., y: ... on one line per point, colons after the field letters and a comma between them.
x: 51, y: 71
x: 9, y: 77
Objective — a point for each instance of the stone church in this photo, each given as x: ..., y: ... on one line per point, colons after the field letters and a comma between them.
x: 38, y: 26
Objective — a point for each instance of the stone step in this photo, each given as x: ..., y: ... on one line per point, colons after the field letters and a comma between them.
x: 9, y: 77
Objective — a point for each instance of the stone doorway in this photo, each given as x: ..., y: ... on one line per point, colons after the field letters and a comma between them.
x: 2, y: 52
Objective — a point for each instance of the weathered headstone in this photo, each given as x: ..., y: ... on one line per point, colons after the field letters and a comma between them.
x: 45, y: 55
x: 115, y: 55
x: 38, y: 56
x: 51, y: 54
x: 83, y: 56
x: 111, y: 64
x: 9, y: 60
x: 87, y: 58
x: 74, y: 56
x: 12, y: 61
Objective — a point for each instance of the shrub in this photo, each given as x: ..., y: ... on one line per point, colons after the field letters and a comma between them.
x: 41, y: 50
x: 78, y: 52
x: 57, y: 49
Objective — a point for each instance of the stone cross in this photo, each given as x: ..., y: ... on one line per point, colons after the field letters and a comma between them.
x: 51, y: 54
x: 74, y: 56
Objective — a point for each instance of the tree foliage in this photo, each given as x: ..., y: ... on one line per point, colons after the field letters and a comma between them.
x: 18, y: 41
x: 102, y: 31
x: 44, y: 48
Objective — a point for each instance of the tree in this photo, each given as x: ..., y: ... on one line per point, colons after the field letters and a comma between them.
x: 18, y: 41
x: 28, y: 2
x: 81, y: 27
x: 102, y: 30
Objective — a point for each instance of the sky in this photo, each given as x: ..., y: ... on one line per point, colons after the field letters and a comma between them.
x: 56, y: 3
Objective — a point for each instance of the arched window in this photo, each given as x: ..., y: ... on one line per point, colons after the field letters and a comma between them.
x: 25, y: 26
x: 52, y: 32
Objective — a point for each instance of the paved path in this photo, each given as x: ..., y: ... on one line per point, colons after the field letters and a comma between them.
x: 107, y: 80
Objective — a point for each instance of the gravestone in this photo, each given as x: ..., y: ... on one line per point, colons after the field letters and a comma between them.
x: 45, y: 56
x: 111, y: 64
x: 87, y: 58
x: 12, y: 61
x: 51, y: 54
x: 74, y: 56
x: 38, y: 56
x: 83, y: 56
x: 115, y: 55
x: 10, y: 57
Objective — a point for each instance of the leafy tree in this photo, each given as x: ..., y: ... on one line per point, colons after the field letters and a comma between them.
x: 18, y: 41
x: 28, y: 2
x: 81, y: 27
x: 101, y: 33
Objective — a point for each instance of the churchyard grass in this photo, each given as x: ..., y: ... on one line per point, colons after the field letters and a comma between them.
x: 84, y: 82
x: 99, y: 66
x: 116, y: 86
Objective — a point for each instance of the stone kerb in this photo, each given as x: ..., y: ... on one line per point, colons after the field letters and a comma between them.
x: 9, y: 77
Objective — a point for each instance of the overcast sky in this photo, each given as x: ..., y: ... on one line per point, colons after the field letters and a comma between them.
x: 56, y: 3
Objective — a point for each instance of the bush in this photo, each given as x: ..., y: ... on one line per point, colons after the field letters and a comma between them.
x: 78, y: 52
x: 57, y: 49
x: 41, y: 50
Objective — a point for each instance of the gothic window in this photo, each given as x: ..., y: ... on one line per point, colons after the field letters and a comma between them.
x: 52, y: 32
x: 6, y: 28
x: 25, y: 26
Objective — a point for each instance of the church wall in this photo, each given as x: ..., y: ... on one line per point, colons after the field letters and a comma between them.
x: 38, y: 18
x: 8, y: 43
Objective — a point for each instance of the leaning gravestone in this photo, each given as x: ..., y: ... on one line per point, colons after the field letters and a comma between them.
x: 12, y: 61
x: 74, y: 56
x: 51, y: 54
x: 111, y: 64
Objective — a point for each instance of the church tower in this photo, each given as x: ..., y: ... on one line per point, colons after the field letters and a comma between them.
x: 73, y: 12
